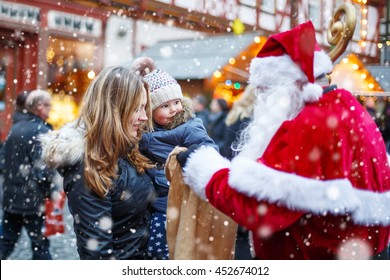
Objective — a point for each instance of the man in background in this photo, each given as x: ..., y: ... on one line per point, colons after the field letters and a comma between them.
x: 26, y: 180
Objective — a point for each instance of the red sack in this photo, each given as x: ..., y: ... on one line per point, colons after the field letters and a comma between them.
x: 54, y: 221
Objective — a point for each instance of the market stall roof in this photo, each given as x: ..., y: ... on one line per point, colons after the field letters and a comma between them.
x: 381, y: 74
x: 351, y: 73
x: 198, y: 58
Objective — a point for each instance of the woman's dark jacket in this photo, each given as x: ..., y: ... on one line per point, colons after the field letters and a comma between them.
x: 26, y: 179
x: 185, y: 131
x: 113, y: 227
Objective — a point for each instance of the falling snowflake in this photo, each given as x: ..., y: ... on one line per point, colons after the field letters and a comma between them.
x: 166, y: 52
x: 315, y: 154
x: 264, y: 231
x: 332, y: 122
x: 333, y: 193
x: 354, y: 249
x: 105, y: 223
x: 262, y: 209
x: 92, y: 244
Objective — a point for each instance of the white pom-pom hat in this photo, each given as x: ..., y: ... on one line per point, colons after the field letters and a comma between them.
x: 296, y: 54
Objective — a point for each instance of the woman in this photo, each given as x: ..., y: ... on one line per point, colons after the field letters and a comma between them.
x: 174, y: 125
x: 104, y: 173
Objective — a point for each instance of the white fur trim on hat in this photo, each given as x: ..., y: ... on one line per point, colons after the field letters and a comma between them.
x: 264, y: 70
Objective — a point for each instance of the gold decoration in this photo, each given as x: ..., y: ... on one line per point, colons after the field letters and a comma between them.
x: 238, y: 27
x: 339, y: 32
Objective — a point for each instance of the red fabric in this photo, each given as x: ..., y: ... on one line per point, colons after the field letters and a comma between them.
x: 299, y: 43
x: 54, y: 219
x: 333, y: 138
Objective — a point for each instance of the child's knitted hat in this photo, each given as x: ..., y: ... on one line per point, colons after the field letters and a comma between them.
x: 162, y: 86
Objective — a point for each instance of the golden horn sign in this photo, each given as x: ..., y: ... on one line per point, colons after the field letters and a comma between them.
x: 339, y: 32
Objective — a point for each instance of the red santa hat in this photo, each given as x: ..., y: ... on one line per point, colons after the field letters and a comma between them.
x: 296, y: 54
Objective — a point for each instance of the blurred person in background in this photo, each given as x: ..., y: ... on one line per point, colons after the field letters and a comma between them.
x: 27, y: 182
x: 19, y: 114
x: 216, y: 128
x: 199, y: 103
x: 20, y: 107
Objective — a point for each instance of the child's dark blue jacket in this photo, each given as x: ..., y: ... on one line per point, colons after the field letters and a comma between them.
x: 184, y: 131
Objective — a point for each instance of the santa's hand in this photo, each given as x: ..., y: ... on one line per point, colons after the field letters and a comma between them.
x: 183, y: 156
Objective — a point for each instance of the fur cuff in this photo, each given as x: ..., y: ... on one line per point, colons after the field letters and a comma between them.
x: 201, y: 166
x: 336, y: 197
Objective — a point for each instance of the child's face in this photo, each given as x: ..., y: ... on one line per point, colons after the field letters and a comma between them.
x: 164, y: 113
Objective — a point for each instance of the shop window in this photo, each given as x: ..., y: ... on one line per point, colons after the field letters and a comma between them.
x: 249, y: 3
x: 356, y: 33
x: 268, y: 6
x: 70, y: 71
x: 314, y: 14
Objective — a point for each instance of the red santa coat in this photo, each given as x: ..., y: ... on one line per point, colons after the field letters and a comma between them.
x: 321, y: 185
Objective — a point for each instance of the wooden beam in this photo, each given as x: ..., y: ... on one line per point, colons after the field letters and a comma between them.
x: 161, y: 13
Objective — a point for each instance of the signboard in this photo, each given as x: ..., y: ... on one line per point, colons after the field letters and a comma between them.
x: 19, y: 13
x: 74, y: 23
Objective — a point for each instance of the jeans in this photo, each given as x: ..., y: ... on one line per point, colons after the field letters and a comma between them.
x: 12, y: 228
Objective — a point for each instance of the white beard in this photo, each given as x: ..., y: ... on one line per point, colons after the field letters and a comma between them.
x: 273, y: 106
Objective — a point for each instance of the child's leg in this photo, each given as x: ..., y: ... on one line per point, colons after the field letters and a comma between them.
x: 157, y: 244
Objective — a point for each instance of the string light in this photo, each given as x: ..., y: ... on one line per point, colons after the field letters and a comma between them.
x: 91, y: 75
x: 217, y: 74
x: 364, y: 22
x: 366, y: 81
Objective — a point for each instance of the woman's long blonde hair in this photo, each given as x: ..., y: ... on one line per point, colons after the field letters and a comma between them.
x: 108, y: 105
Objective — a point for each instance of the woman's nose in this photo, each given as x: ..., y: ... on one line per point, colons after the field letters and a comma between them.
x: 143, y: 116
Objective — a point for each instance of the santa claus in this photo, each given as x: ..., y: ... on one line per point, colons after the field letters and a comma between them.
x: 312, y: 179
